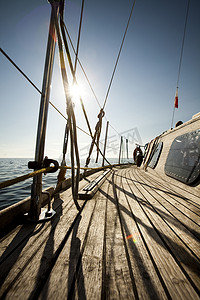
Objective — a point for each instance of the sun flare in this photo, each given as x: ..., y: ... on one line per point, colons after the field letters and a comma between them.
x: 76, y: 91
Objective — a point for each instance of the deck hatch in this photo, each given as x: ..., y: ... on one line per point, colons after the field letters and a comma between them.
x: 93, y: 183
x: 183, y: 161
x: 156, y: 155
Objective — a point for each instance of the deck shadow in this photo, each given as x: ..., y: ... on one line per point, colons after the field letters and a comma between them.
x: 161, y: 213
x: 187, y: 259
x: 13, y: 251
x: 134, y: 253
x: 157, y: 189
x: 48, y: 254
x: 75, y: 273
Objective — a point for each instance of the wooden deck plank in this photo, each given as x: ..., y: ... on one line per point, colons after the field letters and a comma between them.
x: 29, y: 265
x: 63, y: 276
x: 118, y: 279
x: 146, y: 279
x: 172, y: 276
x: 21, y: 233
x: 182, y: 244
x: 92, y: 256
x: 174, y: 185
x: 180, y: 220
x: 192, y: 202
x: 80, y: 255
x: 131, y: 241
x: 35, y: 253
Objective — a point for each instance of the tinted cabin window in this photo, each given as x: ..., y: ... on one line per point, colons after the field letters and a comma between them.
x: 183, y: 161
x: 156, y: 155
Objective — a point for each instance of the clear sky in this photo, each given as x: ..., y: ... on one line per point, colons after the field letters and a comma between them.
x: 141, y: 99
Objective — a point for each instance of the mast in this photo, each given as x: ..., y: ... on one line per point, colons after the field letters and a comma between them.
x: 104, y: 150
x: 120, y: 149
x: 127, y: 147
x: 36, y: 190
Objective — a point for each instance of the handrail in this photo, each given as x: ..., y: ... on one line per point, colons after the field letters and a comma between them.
x: 23, y: 177
x: 13, y: 181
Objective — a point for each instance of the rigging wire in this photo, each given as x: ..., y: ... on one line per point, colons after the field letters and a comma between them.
x: 114, y: 129
x: 73, y: 72
x: 81, y: 64
x: 39, y: 89
x: 180, y: 61
x: 61, y: 175
x: 79, y: 35
x: 184, y: 33
x: 74, y: 79
x: 3, y: 52
x: 69, y: 103
x: 115, y: 67
x: 84, y: 72
x: 84, y: 111
x: 31, y: 82
x: 98, y: 127
x: 14, y: 64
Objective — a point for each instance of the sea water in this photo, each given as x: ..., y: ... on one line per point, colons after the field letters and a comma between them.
x: 14, y: 167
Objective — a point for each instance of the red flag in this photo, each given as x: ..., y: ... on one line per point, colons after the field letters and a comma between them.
x: 176, y: 99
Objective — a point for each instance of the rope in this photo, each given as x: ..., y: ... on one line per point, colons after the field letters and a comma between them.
x: 41, y: 92
x: 62, y: 172
x: 73, y: 72
x: 71, y: 120
x: 101, y: 114
x: 96, y: 136
x: 98, y: 129
x: 106, y: 98
x: 84, y: 72
x: 74, y: 78
x: 71, y: 66
x: 31, y: 82
x: 81, y: 65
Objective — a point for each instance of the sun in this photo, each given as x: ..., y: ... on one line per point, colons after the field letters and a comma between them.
x: 76, y: 92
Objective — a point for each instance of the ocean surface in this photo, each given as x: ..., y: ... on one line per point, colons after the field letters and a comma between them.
x: 13, y: 167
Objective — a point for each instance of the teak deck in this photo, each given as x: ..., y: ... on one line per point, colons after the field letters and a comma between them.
x: 137, y: 238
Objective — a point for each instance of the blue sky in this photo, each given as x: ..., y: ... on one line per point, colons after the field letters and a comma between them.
x: 142, y: 94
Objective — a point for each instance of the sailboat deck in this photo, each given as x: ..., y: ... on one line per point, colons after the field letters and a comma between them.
x: 137, y: 238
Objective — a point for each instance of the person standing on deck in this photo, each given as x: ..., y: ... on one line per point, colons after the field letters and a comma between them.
x: 138, y: 156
